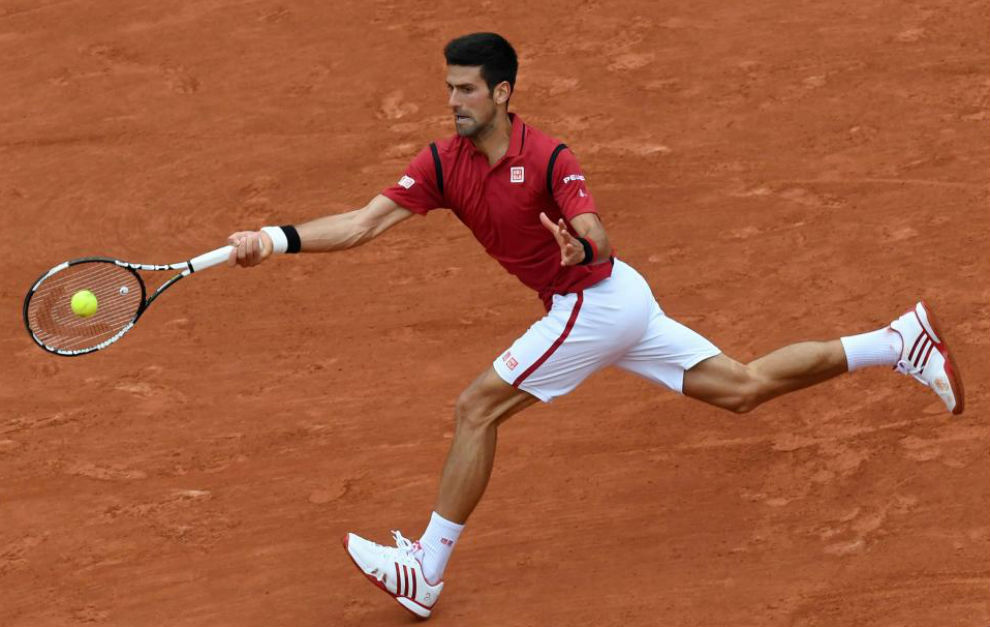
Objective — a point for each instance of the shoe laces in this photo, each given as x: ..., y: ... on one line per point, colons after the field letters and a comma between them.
x: 404, y: 544
x: 412, y: 552
x: 906, y: 367
x: 405, y: 548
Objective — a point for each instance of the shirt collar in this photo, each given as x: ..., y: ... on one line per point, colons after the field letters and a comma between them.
x: 518, y: 138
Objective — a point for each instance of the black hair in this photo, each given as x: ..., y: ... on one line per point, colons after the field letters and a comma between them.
x: 491, y: 51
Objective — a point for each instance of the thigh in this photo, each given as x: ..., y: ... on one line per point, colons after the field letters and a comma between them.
x: 554, y: 355
x: 582, y: 333
x: 666, y: 351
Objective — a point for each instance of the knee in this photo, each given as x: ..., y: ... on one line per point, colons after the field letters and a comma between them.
x: 743, y: 404
x: 471, y: 412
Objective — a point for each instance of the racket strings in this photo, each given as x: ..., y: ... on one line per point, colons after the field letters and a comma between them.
x: 50, y: 317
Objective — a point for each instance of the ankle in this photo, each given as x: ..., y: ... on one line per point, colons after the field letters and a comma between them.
x: 882, y: 347
x: 438, y: 544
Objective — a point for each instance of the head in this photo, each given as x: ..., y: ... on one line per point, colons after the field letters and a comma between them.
x: 481, y: 74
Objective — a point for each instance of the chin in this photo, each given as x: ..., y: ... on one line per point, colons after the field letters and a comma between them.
x: 466, y: 131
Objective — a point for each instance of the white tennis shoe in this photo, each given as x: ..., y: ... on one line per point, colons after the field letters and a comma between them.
x: 397, y: 570
x: 926, y: 357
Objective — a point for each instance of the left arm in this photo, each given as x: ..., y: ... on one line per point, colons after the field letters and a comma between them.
x: 587, y: 226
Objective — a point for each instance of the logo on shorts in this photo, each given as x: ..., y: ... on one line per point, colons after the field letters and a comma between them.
x: 510, y: 361
x: 517, y: 174
x: 407, y: 182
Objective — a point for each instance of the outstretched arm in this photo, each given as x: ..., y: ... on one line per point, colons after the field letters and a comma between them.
x: 572, y: 251
x: 330, y: 233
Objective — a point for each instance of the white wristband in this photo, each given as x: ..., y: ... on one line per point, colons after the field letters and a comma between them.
x: 280, y: 243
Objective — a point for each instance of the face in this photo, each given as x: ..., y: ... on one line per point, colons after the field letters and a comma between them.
x: 473, y: 105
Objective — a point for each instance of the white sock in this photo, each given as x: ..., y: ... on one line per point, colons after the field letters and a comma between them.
x: 438, y: 543
x: 876, y: 348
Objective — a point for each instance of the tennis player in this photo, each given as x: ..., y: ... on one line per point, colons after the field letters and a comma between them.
x: 525, y: 198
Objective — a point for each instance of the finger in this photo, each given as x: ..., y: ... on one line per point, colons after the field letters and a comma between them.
x: 568, y: 238
x: 569, y: 254
x: 253, y: 250
x: 553, y: 228
x: 547, y: 222
x: 233, y: 240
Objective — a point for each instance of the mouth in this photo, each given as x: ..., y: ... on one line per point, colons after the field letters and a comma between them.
x: 460, y: 119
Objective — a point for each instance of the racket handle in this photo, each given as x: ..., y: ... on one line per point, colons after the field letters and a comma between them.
x: 210, y: 259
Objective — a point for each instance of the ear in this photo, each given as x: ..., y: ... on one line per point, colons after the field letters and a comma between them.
x: 502, y: 92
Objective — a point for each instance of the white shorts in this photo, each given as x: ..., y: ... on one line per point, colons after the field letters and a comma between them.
x: 616, y: 322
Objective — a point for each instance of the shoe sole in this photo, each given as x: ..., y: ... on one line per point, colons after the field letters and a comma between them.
x: 410, y: 606
x: 955, y: 380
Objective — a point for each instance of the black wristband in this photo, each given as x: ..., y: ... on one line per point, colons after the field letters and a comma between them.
x: 589, y: 252
x: 294, y: 244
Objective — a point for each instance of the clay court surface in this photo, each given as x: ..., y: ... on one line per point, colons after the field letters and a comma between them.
x: 778, y: 171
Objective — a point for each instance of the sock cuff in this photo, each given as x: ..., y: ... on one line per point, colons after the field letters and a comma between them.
x: 438, y: 543
x: 876, y: 348
x: 449, y: 527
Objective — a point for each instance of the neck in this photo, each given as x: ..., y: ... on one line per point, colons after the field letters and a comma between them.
x: 493, y: 140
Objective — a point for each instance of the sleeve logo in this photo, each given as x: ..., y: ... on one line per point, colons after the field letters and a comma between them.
x: 510, y: 361
x: 573, y: 177
x: 407, y: 182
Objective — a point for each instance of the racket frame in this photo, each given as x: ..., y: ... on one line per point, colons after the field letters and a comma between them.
x: 185, y: 268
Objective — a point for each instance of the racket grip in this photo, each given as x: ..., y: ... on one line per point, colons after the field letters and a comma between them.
x: 210, y: 259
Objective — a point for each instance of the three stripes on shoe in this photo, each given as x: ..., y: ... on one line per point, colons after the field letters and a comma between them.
x: 402, y: 581
x: 924, y: 347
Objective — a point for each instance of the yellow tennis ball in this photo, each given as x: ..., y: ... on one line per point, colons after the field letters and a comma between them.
x: 84, y: 303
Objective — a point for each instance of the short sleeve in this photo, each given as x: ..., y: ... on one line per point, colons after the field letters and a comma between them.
x: 417, y: 190
x: 570, y: 190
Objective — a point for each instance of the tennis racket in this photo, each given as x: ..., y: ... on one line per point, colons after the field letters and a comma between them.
x: 121, y: 298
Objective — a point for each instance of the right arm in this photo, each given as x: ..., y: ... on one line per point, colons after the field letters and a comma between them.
x: 326, y: 234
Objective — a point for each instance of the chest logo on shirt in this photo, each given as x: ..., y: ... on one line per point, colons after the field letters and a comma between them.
x: 517, y: 174
x: 407, y: 182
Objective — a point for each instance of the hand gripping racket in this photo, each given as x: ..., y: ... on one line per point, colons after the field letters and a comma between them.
x: 121, y: 298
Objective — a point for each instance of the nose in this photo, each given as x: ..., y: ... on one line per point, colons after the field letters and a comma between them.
x: 453, y: 101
